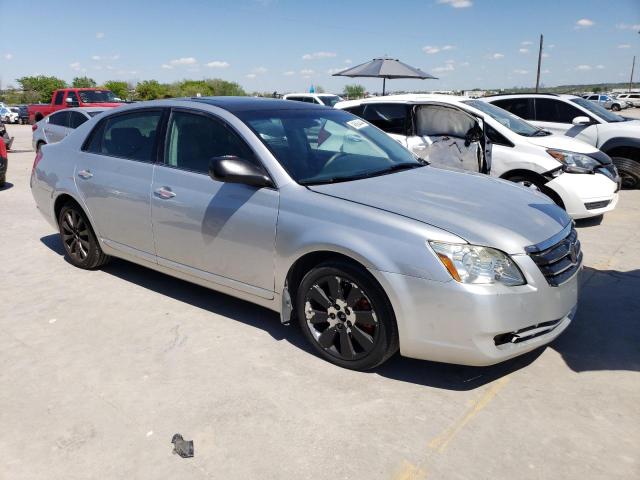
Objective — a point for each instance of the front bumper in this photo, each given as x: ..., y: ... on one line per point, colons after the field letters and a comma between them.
x: 581, y: 192
x: 467, y: 324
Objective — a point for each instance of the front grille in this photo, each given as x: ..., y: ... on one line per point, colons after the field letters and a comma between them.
x: 596, y: 205
x: 559, y: 261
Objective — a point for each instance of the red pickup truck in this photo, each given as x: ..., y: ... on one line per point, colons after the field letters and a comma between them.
x: 73, y: 97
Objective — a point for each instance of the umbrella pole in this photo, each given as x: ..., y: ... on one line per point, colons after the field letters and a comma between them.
x: 383, y: 85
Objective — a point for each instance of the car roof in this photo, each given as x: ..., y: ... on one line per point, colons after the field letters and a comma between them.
x: 246, y: 104
x: 411, y: 98
x: 88, y: 109
x: 563, y: 96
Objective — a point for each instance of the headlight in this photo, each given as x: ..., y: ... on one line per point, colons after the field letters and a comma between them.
x: 574, y: 162
x: 478, y: 265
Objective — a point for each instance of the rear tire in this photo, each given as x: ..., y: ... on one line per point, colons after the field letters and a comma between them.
x: 346, y: 316
x: 615, y: 108
x: 80, y: 242
x: 629, y: 171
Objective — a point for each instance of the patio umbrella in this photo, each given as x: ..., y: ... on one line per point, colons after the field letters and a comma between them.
x: 384, y: 68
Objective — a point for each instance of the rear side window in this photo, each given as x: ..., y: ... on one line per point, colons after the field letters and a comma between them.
x: 59, y: 96
x: 389, y: 117
x: 518, y: 106
x: 357, y: 110
x: 76, y: 119
x: 60, y: 118
x: 195, y: 139
x: 131, y: 135
x: 550, y: 110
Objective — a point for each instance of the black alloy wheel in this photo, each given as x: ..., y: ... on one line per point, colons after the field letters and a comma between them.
x: 346, y: 316
x: 80, y: 243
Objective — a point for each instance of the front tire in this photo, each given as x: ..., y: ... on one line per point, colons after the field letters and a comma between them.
x: 346, y: 316
x: 629, y: 171
x: 615, y: 108
x: 80, y: 243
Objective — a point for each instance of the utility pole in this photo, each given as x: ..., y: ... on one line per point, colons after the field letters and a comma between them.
x: 633, y: 65
x: 539, y: 62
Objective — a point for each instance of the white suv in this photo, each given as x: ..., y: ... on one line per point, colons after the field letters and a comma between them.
x: 318, y: 98
x: 607, y: 102
x: 632, y: 98
x: 617, y: 136
x: 464, y: 133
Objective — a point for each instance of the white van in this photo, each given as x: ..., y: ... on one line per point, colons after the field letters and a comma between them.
x: 326, y: 99
x: 463, y: 133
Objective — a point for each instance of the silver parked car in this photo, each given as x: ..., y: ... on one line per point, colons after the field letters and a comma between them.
x: 320, y: 216
x: 55, y: 127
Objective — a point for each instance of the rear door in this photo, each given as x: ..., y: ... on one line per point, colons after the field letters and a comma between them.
x: 55, y: 129
x: 220, y: 232
x: 114, y: 175
x: 557, y: 116
x: 450, y: 137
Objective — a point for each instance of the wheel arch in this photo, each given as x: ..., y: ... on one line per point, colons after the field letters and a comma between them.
x: 64, y: 198
x: 618, y: 146
x: 536, y: 177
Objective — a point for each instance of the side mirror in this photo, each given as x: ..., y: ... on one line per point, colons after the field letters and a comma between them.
x: 230, y: 169
x: 581, y: 121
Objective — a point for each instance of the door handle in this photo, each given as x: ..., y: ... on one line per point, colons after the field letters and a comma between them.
x: 164, y: 193
x: 85, y: 174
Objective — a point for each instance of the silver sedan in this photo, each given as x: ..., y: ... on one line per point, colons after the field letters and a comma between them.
x: 321, y: 217
x: 56, y: 126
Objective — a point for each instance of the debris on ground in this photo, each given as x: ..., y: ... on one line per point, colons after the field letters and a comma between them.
x: 182, y: 447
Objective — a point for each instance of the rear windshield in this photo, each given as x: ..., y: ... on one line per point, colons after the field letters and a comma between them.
x: 330, y: 100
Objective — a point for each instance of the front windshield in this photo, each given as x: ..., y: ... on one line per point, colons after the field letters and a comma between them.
x: 599, y: 110
x: 97, y: 96
x: 330, y: 100
x: 325, y: 146
x: 509, y: 120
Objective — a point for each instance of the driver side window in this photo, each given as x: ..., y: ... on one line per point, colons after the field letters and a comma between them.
x: 436, y: 120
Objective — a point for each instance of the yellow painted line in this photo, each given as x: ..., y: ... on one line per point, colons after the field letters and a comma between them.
x: 440, y: 442
x: 409, y: 471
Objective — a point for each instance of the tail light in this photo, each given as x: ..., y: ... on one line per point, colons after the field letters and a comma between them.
x: 36, y: 161
x: 34, y: 127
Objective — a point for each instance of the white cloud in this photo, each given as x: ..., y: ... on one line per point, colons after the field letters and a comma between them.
x: 348, y: 61
x: 430, y: 50
x: 288, y: 73
x: 251, y: 75
x: 259, y: 70
x: 306, y: 71
x: 524, y: 50
x: 624, y: 26
x: 331, y: 71
x: 584, y: 23
x: 583, y: 67
x: 8, y: 56
x: 463, y: 64
x: 546, y: 70
x: 446, y: 68
x: 520, y: 71
x: 166, y: 66
x: 96, y: 58
x: 450, y: 61
x: 99, y: 34
x: 115, y: 57
x: 550, y: 46
x: 110, y: 67
x: 457, y: 3
x: 317, y: 55
x: 624, y: 45
x: 75, y: 66
x: 183, y: 61
x: 497, y: 56
x: 218, y: 64
x: 545, y: 55
x: 526, y: 42
x: 600, y: 67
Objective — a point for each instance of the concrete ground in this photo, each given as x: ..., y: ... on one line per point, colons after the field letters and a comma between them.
x: 100, y: 369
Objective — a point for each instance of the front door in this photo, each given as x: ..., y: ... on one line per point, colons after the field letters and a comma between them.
x: 114, y: 175
x: 221, y: 232
x: 449, y: 137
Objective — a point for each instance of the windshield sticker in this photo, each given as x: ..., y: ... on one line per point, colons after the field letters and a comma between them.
x: 357, y: 123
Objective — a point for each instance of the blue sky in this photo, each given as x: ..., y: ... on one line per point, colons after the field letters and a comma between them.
x: 287, y: 45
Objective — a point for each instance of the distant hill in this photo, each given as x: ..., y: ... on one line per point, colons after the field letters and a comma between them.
x: 589, y: 87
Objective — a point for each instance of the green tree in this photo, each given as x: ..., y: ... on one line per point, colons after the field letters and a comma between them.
x: 119, y: 88
x: 354, y: 91
x: 39, y: 88
x: 83, y: 82
x: 221, y: 87
x: 319, y: 89
x: 191, y: 88
x: 151, y: 89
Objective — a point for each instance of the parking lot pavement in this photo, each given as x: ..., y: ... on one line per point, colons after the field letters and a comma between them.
x: 100, y: 369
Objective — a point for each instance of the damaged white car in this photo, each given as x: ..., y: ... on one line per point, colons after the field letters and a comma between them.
x: 463, y: 133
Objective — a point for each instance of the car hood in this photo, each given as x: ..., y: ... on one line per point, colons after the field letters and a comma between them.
x: 480, y: 209
x: 562, y: 142
x: 630, y: 127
